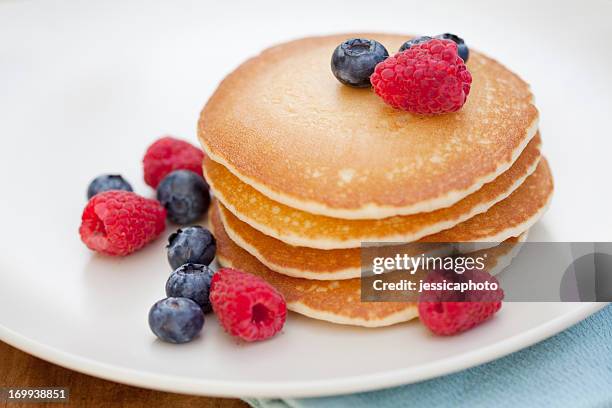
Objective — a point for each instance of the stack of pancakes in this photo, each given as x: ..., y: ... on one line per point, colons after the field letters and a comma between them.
x: 304, y: 170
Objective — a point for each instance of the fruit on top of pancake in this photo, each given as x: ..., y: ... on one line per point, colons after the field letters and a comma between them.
x: 191, y: 281
x: 106, y: 182
x: 176, y: 320
x: 185, y: 196
x: 193, y: 244
x: 462, y: 48
x: 168, y: 154
x: 354, y: 60
x: 428, y: 78
x: 416, y: 40
x: 449, y: 312
x: 246, y: 305
x: 120, y: 222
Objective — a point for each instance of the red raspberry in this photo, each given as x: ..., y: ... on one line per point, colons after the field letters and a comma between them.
x: 120, y: 222
x: 428, y: 78
x: 448, y: 318
x: 246, y: 305
x: 451, y: 312
x: 168, y: 154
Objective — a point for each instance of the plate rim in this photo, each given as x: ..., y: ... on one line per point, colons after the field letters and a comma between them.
x: 298, y: 389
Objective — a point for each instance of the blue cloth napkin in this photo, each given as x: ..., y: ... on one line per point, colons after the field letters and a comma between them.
x: 573, y: 369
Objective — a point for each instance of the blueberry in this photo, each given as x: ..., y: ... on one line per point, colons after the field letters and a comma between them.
x: 462, y: 49
x: 417, y: 40
x: 191, y: 281
x: 185, y: 196
x: 354, y: 61
x: 191, y: 245
x: 176, y: 320
x: 107, y: 182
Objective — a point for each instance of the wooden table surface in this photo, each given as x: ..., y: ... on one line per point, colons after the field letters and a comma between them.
x: 18, y: 369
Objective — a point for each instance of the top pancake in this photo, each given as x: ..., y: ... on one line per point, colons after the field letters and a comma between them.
x: 283, y: 124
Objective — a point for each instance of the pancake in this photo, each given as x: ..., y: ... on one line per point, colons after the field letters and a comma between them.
x: 299, y: 228
x: 284, y: 125
x: 336, y: 301
x: 508, y: 218
x: 300, y: 262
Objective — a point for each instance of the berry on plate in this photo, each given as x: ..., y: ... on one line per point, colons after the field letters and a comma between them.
x: 354, y: 60
x: 449, y: 318
x: 120, y: 222
x: 185, y: 196
x: 462, y: 48
x: 428, y: 78
x: 417, y: 40
x: 168, y: 154
x: 447, y: 312
x: 176, y: 320
x: 191, y: 281
x: 107, y: 182
x: 191, y: 245
x: 246, y: 305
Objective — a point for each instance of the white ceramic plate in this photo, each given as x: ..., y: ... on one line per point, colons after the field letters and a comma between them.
x: 85, y: 87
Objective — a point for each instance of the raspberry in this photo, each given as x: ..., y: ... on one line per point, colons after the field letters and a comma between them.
x: 168, y: 154
x: 451, y: 312
x: 246, y: 305
x: 428, y: 78
x: 448, y: 318
x: 120, y: 222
